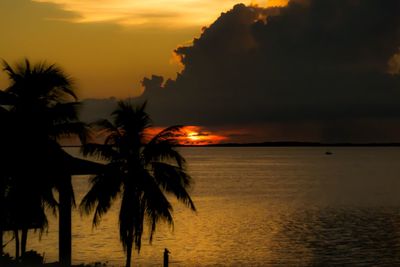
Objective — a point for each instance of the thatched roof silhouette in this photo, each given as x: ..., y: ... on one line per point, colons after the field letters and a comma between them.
x: 68, y: 165
x: 77, y: 166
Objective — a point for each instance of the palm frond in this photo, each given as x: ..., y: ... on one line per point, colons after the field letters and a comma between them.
x: 103, y: 152
x: 40, y: 81
x: 106, y: 130
x: 157, y: 206
x: 105, y: 188
x: 169, y: 133
x: 114, y: 139
x: 50, y: 201
x: 78, y: 129
x: 162, y: 151
x: 9, y: 70
x: 131, y: 119
x: 59, y: 85
x: 174, y: 180
x: 104, y: 124
x: 62, y: 112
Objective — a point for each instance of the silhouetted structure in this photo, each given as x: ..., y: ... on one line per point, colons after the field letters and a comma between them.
x: 72, y: 166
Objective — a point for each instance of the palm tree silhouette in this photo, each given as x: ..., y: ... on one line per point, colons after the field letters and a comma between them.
x: 4, y: 172
x: 43, y: 105
x: 139, y: 171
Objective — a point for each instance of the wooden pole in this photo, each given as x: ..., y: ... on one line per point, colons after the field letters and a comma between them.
x: 166, y: 257
x: 64, y: 230
x: 1, y: 228
x: 16, y: 235
x: 1, y: 240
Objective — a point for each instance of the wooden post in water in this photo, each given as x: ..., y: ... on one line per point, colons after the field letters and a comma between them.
x: 16, y: 236
x: 64, y: 229
x: 1, y: 226
x: 2, y: 213
x: 166, y: 257
x: 1, y: 240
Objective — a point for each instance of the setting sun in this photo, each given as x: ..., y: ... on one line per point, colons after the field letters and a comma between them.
x: 192, y: 136
x: 195, y: 135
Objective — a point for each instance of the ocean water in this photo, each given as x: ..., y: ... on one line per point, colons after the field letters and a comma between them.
x: 262, y: 207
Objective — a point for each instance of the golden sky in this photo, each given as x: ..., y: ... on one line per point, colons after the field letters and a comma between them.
x: 108, y: 46
x: 163, y: 13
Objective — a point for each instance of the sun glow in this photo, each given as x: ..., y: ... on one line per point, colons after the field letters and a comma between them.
x: 192, y: 135
x: 195, y: 135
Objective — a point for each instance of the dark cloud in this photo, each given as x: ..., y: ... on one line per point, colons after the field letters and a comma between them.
x: 328, y: 64
x: 315, y: 61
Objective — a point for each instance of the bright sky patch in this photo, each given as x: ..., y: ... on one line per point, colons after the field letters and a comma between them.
x: 175, y: 13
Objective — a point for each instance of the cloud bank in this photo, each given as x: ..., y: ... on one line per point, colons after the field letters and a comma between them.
x: 315, y: 69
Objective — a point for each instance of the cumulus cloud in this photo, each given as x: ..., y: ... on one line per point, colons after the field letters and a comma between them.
x: 328, y: 64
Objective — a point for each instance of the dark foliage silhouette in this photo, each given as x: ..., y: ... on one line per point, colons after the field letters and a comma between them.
x: 140, y: 172
x: 38, y: 109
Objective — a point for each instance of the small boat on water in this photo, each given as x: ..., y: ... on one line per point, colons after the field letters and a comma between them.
x: 328, y: 153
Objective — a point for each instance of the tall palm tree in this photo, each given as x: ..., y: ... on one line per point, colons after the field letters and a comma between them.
x: 43, y: 103
x: 140, y: 172
x: 4, y: 140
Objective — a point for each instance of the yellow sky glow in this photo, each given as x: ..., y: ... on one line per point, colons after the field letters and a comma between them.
x: 168, y: 13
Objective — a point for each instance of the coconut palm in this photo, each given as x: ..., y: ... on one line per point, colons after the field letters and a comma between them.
x: 43, y: 104
x: 4, y: 138
x: 140, y: 172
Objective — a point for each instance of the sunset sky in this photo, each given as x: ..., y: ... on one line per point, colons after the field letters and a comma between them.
x: 312, y: 70
x: 108, y: 46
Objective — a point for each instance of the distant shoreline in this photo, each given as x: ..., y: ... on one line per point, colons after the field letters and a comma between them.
x: 297, y: 144
x: 287, y: 144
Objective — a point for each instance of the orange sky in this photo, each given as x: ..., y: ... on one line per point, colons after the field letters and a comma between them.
x: 107, y: 46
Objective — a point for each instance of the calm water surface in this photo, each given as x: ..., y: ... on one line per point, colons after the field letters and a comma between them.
x: 264, y: 207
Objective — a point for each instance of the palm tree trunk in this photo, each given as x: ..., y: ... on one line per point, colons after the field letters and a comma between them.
x: 16, y: 244
x: 2, y: 214
x: 129, y: 250
x: 24, y: 238
x: 128, y: 255
x: 1, y: 240
x: 64, y: 238
x: 1, y: 232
